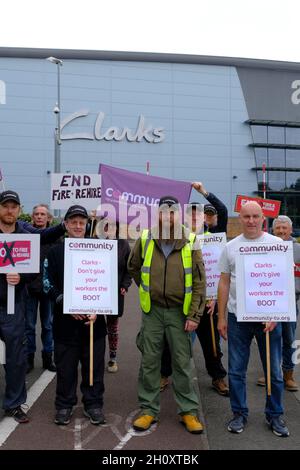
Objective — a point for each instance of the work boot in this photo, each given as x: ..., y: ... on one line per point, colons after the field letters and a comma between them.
x: 48, y: 362
x: 192, y: 424
x: 112, y: 366
x: 143, y: 422
x: 30, y: 362
x: 221, y: 387
x: 289, y: 381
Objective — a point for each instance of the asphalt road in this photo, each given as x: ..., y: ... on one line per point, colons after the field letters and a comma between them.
x: 121, y: 407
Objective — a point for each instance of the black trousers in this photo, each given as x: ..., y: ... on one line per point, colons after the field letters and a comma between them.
x: 12, y: 332
x: 213, y: 364
x: 67, y: 358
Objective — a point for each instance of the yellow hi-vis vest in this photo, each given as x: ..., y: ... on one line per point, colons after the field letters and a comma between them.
x: 147, y: 253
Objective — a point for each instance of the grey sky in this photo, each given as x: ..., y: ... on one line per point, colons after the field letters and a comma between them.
x: 258, y: 28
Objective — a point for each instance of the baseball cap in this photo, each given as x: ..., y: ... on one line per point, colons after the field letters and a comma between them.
x: 168, y: 201
x: 9, y: 196
x: 194, y: 205
x: 210, y: 208
x: 76, y: 210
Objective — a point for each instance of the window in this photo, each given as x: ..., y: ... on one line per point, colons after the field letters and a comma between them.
x: 293, y: 180
x: 292, y: 158
x: 293, y: 135
x: 276, y: 180
x: 260, y: 135
x: 276, y: 157
x: 276, y: 135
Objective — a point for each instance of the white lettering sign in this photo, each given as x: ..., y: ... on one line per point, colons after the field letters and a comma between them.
x: 266, y: 290
x: 147, y: 132
x: 2, y: 92
x: 295, y: 97
x: 91, y: 276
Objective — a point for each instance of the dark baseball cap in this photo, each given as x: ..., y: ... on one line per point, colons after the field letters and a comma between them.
x: 76, y: 210
x: 209, y: 208
x: 9, y: 196
x: 168, y: 201
x: 194, y: 205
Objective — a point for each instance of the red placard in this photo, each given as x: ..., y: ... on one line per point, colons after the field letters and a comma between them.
x: 270, y: 207
x: 14, y: 252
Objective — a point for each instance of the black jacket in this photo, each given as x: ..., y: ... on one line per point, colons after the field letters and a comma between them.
x: 65, y: 328
x: 222, y: 214
x: 124, y: 279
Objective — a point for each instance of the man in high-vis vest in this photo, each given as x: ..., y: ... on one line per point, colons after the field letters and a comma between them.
x: 171, y: 279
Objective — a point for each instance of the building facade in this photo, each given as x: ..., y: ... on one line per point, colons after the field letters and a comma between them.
x: 209, y: 119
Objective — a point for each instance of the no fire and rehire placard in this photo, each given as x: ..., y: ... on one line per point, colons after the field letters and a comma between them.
x: 91, y: 276
x: 265, y: 283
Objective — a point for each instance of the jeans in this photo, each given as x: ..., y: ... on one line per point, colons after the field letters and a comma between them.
x: 12, y: 332
x: 46, y: 315
x: 240, y: 335
x: 288, y: 337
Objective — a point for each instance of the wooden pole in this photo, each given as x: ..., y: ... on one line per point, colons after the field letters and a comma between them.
x: 213, y: 336
x: 91, y: 353
x: 268, y: 360
x: 269, y: 391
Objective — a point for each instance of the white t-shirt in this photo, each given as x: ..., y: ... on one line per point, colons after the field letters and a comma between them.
x: 227, y: 262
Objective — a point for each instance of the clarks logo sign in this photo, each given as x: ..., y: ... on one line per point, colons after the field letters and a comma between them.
x: 2, y: 92
x: 142, y: 131
x: 295, y: 96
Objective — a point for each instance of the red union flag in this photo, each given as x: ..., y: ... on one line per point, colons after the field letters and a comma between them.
x: 13, y: 253
x: 270, y: 207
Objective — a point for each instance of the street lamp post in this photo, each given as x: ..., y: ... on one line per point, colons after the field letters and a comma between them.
x: 57, y: 110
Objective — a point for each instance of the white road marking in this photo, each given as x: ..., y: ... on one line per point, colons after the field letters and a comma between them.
x: 8, y: 425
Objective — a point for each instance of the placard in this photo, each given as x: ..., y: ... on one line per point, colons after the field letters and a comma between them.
x: 70, y: 189
x: 265, y: 282
x: 212, y: 246
x: 19, y: 253
x: 270, y: 207
x: 90, y: 276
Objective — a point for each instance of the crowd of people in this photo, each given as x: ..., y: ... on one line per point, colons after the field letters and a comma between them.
x: 167, y: 266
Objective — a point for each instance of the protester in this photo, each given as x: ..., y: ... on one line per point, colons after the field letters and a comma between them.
x: 71, y: 336
x: 283, y: 228
x: 110, y: 230
x: 216, y: 214
x: 36, y: 299
x: 171, y: 280
x: 214, y: 366
x: 12, y: 327
x: 240, y: 334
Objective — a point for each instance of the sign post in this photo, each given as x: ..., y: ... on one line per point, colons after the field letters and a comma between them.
x: 212, y: 246
x: 90, y: 281
x: 266, y: 286
x: 19, y: 253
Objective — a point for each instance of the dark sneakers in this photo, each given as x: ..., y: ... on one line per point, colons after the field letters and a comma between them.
x: 18, y: 415
x: 63, y: 416
x: 278, y: 426
x: 237, y: 423
x: 95, y: 415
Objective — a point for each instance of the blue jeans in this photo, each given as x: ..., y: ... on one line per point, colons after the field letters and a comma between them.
x: 240, y: 335
x: 288, y: 337
x: 46, y: 315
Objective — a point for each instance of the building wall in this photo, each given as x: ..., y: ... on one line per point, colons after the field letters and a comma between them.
x: 200, y: 107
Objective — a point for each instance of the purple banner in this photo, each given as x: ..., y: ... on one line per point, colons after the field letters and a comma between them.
x: 132, y: 193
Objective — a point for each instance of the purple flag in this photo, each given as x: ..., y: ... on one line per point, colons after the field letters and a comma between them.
x: 131, y: 193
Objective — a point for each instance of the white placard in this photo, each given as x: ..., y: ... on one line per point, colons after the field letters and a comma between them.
x: 19, y: 253
x: 265, y: 282
x: 91, y: 276
x: 69, y: 189
x: 212, y: 246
